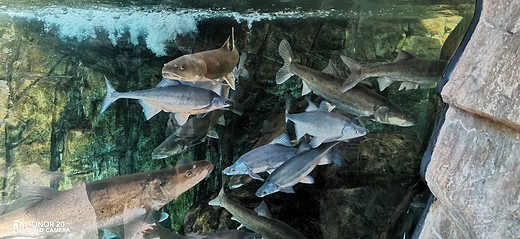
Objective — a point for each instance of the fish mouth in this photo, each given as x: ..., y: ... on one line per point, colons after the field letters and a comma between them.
x: 171, y: 76
x: 228, y: 102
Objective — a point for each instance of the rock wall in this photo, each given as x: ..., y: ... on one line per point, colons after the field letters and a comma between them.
x: 474, y: 172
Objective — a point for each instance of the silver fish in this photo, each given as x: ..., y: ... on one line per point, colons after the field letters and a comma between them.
x: 101, y: 204
x: 359, y: 100
x: 209, y: 65
x: 291, y: 68
x: 263, y: 159
x: 259, y: 221
x: 170, y: 96
x: 406, y: 68
x: 324, y: 126
x: 297, y: 169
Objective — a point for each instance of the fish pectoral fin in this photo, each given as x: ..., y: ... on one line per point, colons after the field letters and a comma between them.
x: 305, y: 89
x: 230, y: 79
x: 181, y: 118
x: 212, y: 134
x: 31, y: 195
x: 221, y: 121
x: 148, y: 109
x: 307, y: 180
x: 263, y: 210
x: 287, y: 190
x: 298, y: 131
x: 255, y: 176
x: 384, y: 82
x: 316, y: 141
x: 134, y: 220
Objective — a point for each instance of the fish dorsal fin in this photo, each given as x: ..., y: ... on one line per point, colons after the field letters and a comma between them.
x: 226, y: 44
x: 311, y: 107
x: 263, y: 211
x: 305, y: 89
x: 167, y: 82
x: 304, y: 146
x: 331, y: 69
x: 233, y: 38
x: 326, y: 106
x: 283, y: 139
x: 403, y: 55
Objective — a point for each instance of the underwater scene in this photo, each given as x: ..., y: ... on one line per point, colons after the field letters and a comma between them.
x: 219, y: 119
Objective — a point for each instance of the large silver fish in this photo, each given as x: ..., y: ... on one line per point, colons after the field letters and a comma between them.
x: 263, y: 159
x: 297, y: 169
x: 170, y: 96
x: 359, y: 100
x: 411, y: 71
x: 101, y: 204
x: 259, y: 221
x: 323, y: 125
x: 209, y: 65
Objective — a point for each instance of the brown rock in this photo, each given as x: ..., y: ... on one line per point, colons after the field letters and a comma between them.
x: 485, y: 81
x: 437, y: 224
x: 474, y: 173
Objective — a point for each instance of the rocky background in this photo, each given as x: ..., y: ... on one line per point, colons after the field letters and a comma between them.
x: 474, y: 171
x: 51, y: 91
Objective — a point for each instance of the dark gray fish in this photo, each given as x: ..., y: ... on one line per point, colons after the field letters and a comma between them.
x: 411, y: 71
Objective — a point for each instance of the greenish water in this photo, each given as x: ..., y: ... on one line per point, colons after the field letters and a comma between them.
x: 56, y: 54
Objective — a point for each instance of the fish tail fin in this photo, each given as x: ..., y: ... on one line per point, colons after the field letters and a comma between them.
x: 284, y: 49
x: 355, y: 73
x: 112, y: 95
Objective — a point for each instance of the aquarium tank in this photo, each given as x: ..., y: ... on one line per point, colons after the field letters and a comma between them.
x: 219, y: 119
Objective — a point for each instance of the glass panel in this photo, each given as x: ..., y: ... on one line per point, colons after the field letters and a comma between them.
x: 83, y: 102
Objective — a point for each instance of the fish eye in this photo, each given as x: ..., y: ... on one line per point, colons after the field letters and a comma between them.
x: 188, y: 173
x: 182, y: 67
x: 357, y: 132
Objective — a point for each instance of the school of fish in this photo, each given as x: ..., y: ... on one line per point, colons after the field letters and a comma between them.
x: 202, y: 85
